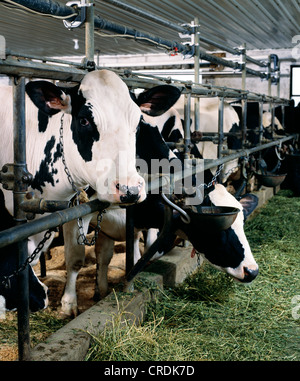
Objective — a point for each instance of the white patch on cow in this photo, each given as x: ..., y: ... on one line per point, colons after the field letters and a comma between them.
x: 221, y: 197
x: 2, y: 307
x: 267, y: 121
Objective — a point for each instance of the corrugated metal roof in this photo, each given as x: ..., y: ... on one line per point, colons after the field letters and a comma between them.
x: 261, y: 24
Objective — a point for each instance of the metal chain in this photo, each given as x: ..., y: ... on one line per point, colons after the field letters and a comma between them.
x: 214, y: 179
x: 6, y: 278
x: 66, y: 169
x: 81, y: 239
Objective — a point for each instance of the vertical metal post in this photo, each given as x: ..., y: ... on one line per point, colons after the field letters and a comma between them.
x: 19, y: 191
x: 220, y: 126
x: 187, y: 122
x: 244, y: 121
x: 269, y: 80
x: 244, y: 71
x: 283, y: 116
x: 278, y: 80
x: 244, y: 101
x: 129, y: 239
x: 272, y: 118
x: 89, y: 32
x: 261, y: 127
x: 196, y: 73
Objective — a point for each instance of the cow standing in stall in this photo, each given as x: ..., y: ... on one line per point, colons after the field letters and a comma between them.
x: 96, y: 121
x: 228, y: 250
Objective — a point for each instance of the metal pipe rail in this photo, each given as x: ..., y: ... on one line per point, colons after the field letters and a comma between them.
x: 58, y: 218
x: 53, y: 9
x: 57, y: 71
x: 15, y: 66
x: 15, y: 234
x: 164, y: 181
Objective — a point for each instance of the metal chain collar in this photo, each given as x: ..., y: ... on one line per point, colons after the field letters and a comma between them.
x: 214, y: 179
x: 81, y: 239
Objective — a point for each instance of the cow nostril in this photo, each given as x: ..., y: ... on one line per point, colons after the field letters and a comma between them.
x: 250, y: 275
x: 122, y: 188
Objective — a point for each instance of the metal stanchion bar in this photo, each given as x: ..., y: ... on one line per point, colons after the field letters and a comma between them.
x: 19, y: 189
x: 58, y: 218
x: 187, y: 130
x: 30, y: 69
x: 220, y: 126
x: 129, y: 239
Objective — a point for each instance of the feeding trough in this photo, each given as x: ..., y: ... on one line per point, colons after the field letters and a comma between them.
x: 270, y: 179
x: 214, y: 217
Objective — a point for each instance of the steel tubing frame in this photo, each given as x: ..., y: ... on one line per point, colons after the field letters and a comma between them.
x: 53, y: 8
x: 19, y: 190
x: 25, y: 68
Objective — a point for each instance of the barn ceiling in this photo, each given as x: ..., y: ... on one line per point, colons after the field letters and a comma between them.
x: 261, y: 24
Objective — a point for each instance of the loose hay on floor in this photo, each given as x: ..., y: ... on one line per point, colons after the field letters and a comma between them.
x: 211, y: 317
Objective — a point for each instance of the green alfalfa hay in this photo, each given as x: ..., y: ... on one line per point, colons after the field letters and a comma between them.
x: 211, y: 317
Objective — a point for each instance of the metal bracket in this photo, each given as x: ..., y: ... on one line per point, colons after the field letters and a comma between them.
x: 81, y: 18
x: 7, y: 177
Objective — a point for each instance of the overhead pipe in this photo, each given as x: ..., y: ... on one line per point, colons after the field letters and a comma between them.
x: 49, y: 7
x: 180, y: 29
x: 54, y: 9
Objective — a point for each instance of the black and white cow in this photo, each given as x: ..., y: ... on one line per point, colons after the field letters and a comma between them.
x: 99, y: 121
x: 38, y: 298
x: 149, y: 146
x: 227, y: 250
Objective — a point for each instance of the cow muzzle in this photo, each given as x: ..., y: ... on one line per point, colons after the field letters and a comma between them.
x: 129, y: 195
x: 122, y: 191
x: 249, y: 275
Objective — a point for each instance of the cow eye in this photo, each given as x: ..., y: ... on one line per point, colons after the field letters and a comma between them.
x: 84, y: 122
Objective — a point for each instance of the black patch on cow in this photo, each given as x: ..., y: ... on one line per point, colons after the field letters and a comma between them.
x: 167, y: 128
x: 233, y: 141
x: 83, y: 126
x: 40, y: 92
x: 221, y: 248
x: 43, y: 120
x: 46, y: 172
x: 159, y: 99
x: 149, y: 143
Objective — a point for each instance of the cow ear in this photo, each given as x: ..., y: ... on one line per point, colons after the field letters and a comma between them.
x: 158, y: 100
x: 48, y: 97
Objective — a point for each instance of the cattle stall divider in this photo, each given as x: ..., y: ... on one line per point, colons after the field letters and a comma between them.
x: 20, y: 66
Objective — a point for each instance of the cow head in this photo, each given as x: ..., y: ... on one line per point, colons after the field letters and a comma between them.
x: 100, y: 121
x: 227, y: 250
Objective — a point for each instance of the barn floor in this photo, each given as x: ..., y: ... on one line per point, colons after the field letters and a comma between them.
x: 56, y: 275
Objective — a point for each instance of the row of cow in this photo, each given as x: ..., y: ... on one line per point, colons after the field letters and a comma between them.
x: 105, y: 128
